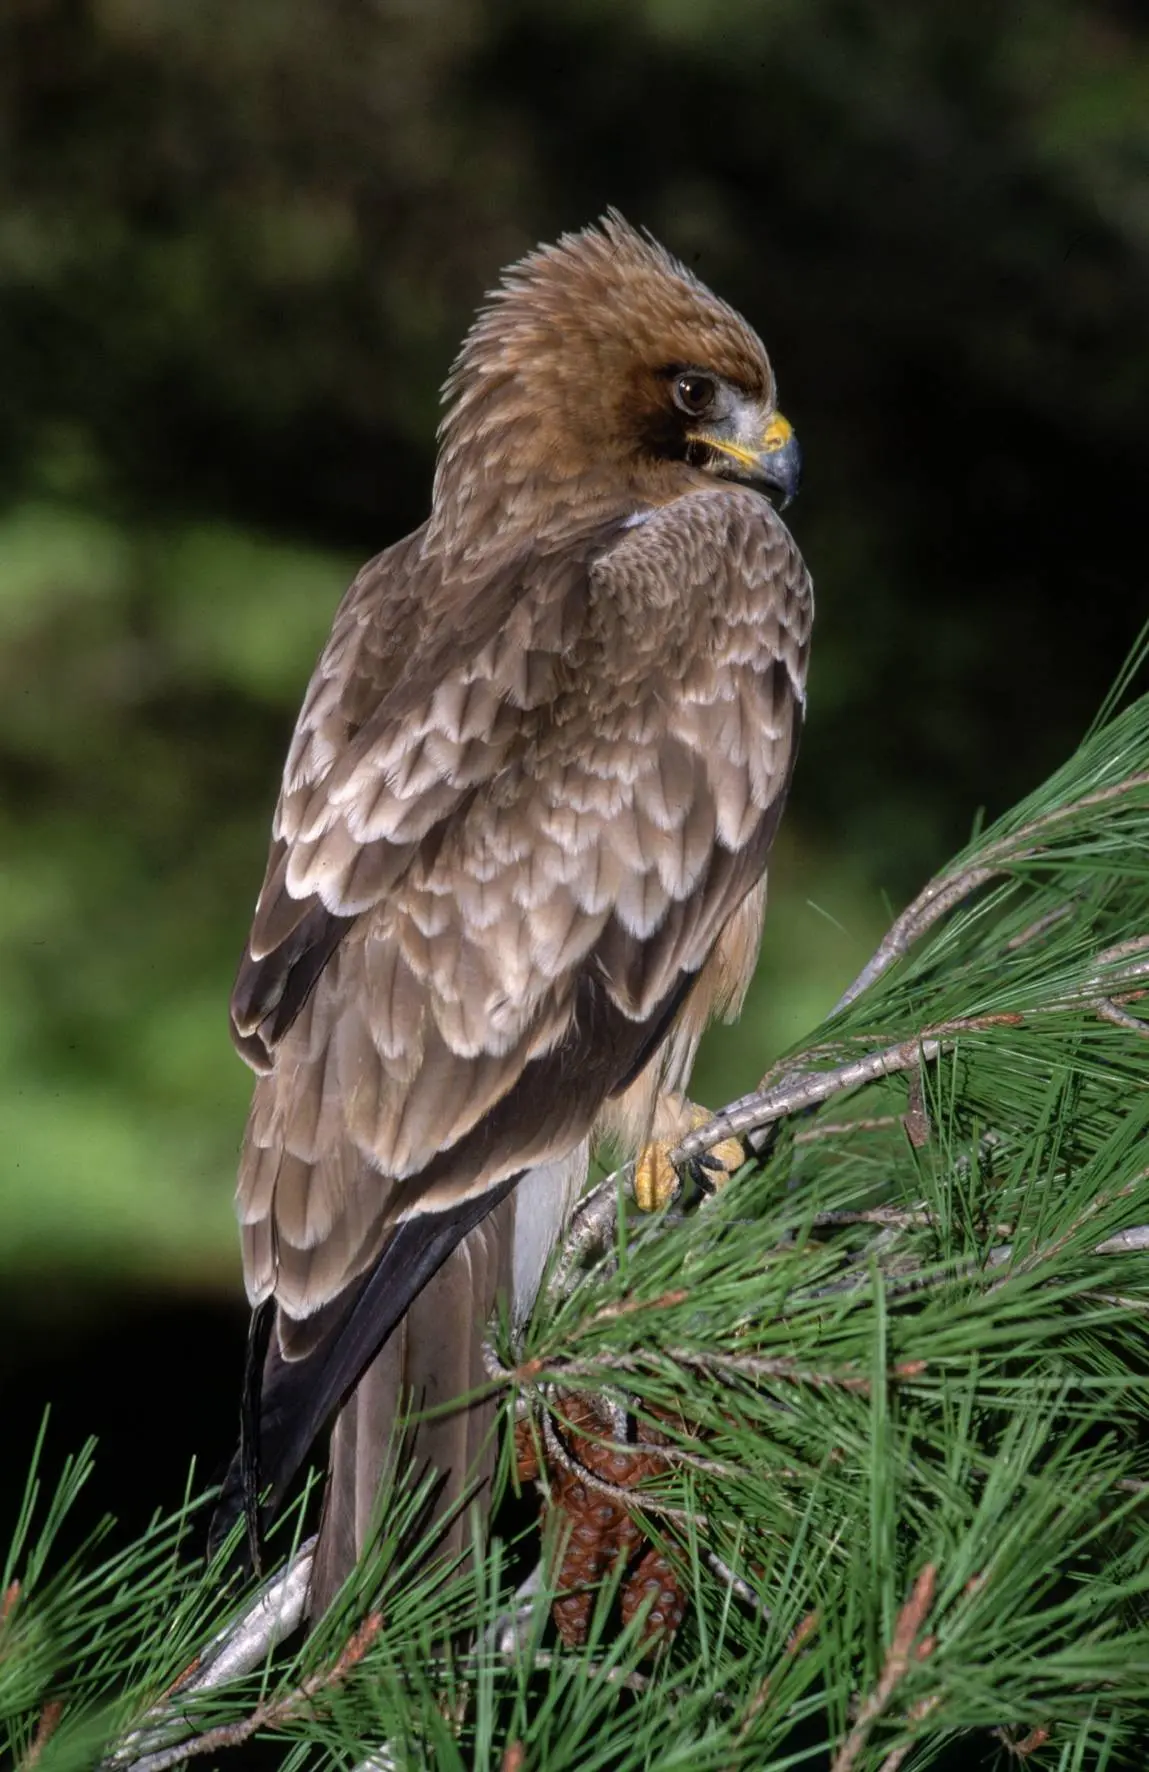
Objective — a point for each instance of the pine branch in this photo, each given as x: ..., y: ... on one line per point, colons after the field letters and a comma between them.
x: 275, y: 1612
x: 272, y: 1713
x: 906, y: 1644
x: 954, y: 886
x: 907, y: 1339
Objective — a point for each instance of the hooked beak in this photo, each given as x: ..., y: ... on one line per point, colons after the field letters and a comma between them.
x: 778, y: 461
x: 773, y: 459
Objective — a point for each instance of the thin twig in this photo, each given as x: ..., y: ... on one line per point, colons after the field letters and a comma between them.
x: 972, y: 1267
x: 999, y: 1255
x: 543, y: 1659
x: 909, y: 1622
x: 896, y: 1216
x: 273, y: 1614
x: 759, y: 1367
x: 1123, y: 1242
x: 1038, y: 927
x: 845, y: 1128
x: 1029, y: 1744
x: 797, y: 1638
x: 628, y: 1498
x: 1108, y: 1010
x: 272, y: 1713
x: 916, y: 1713
x: 947, y: 890
x: 1124, y: 950
x: 1048, y: 1251
x: 805, y: 1089
x: 627, y: 1307
x: 737, y: 1584
x: 941, y: 895
x: 707, y: 1467
x: 45, y: 1729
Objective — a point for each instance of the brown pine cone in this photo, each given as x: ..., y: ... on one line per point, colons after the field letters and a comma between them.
x: 598, y: 1529
x: 655, y: 1575
x: 596, y: 1533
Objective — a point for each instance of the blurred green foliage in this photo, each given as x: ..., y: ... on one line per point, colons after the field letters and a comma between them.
x: 238, y: 246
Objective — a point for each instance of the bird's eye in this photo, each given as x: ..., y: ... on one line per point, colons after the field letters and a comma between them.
x: 694, y: 394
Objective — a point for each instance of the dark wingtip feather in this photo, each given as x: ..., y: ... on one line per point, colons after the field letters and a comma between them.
x: 287, y: 1403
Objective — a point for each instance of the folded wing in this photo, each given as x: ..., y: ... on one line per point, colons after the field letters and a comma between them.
x: 518, y: 812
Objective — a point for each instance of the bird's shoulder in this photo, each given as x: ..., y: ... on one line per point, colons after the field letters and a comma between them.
x: 704, y: 569
x: 430, y: 650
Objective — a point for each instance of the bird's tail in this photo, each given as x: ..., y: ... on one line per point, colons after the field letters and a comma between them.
x: 405, y: 1339
x: 402, y: 1345
x: 433, y: 1358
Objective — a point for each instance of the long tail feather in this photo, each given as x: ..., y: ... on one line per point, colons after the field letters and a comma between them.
x: 297, y: 1397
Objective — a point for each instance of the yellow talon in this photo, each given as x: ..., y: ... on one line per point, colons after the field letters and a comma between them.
x: 655, y: 1177
x: 730, y: 1154
x: 656, y: 1181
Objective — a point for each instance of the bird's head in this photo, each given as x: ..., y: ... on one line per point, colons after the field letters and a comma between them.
x: 602, y: 378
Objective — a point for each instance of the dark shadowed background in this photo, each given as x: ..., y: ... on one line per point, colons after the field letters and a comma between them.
x: 238, y: 247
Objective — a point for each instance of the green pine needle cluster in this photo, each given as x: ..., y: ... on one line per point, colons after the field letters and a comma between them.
x: 902, y: 1366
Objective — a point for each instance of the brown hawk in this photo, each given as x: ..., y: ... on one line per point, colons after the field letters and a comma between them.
x: 518, y: 859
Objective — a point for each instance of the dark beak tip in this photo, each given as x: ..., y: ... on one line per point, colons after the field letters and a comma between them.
x: 782, y: 471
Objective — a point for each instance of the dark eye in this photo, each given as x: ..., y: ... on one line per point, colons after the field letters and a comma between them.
x: 695, y: 394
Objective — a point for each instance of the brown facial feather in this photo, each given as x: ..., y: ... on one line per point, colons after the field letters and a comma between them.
x: 535, y: 778
x: 559, y: 407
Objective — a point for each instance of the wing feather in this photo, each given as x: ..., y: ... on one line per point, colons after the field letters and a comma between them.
x: 517, y: 815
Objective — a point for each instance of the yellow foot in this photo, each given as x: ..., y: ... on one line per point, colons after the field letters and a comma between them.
x: 657, y: 1182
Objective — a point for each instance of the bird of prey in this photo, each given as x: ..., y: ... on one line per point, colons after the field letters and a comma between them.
x: 518, y: 859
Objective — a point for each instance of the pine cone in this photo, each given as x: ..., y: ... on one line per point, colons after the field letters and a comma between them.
x: 655, y: 1575
x: 599, y: 1531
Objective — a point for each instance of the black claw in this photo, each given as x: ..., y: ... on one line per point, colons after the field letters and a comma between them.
x: 704, y: 1173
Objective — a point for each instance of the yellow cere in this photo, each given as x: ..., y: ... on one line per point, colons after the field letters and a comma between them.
x: 776, y: 435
